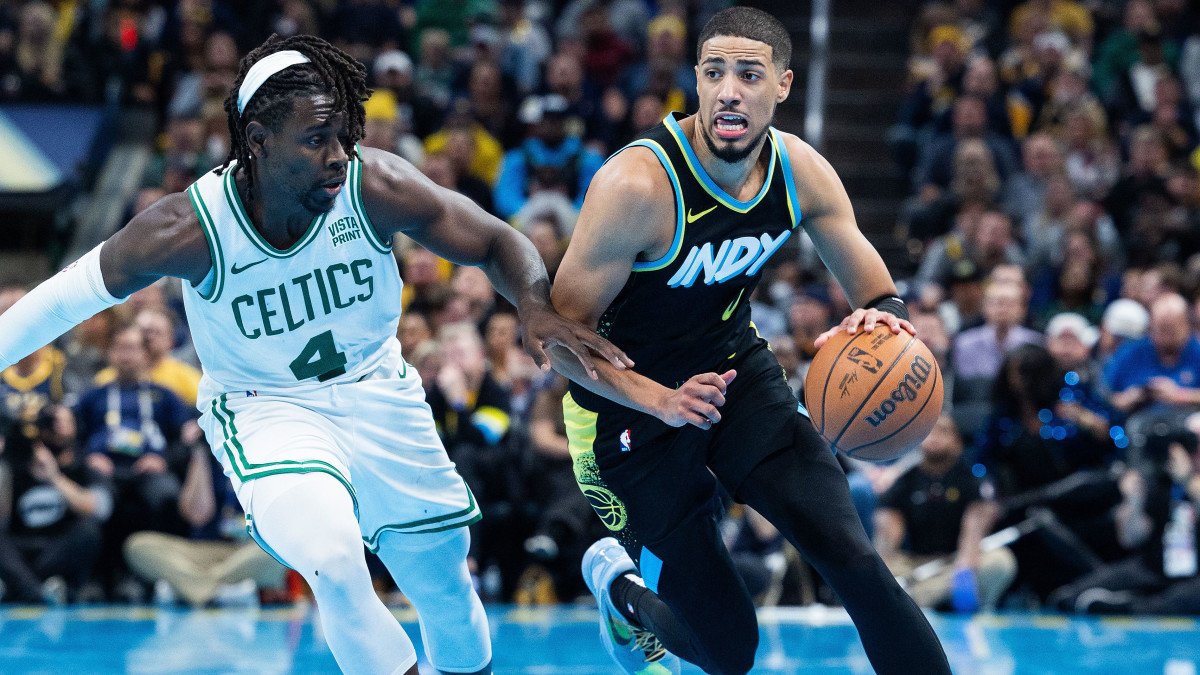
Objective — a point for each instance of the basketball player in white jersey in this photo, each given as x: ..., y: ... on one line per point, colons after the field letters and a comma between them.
x: 293, y: 299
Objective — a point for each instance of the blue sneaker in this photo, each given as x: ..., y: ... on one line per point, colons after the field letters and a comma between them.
x: 634, y: 648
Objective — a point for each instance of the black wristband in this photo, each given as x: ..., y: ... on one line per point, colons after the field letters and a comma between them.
x: 891, y: 304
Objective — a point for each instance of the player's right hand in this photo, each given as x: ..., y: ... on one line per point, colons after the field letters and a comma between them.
x: 695, y: 402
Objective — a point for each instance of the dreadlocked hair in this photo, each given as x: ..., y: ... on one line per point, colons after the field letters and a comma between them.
x: 329, y: 71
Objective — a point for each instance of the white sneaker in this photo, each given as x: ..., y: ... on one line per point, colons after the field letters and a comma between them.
x: 634, y: 648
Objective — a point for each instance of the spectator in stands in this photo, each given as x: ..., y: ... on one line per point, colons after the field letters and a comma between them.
x: 665, y: 70
x: 1070, y: 339
x: 157, y: 327
x: 978, y: 352
x: 565, y: 77
x: 1158, y: 526
x: 29, y: 384
x: 566, y: 522
x: 218, y: 553
x: 939, y: 511
x: 986, y: 241
x: 969, y: 122
x: 626, y: 19
x: 86, y: 349
x: 57, y: 505
x: 548, y: 238
x: 1092, y: 162
x: 1068, y: 91
x: 1043, y: 230
x: 416, y: 114
x: 527, y: 46
x: 1143, y: 182
x: 1124, y: 320
x: 1024, y: 191
x: 365, y: 27
x: 435, y: 66
x: 1134, y: 92
x: 1073, y: 18
x: 473, y: 415
x: 548, y: 160
x: 1051, y: 53
x: 1119, y: 51
x: 974, y: 188
x: 808, y: 317
x: 508, y: 364
x: 382, y: 128
x: 1163, y: 368
x: 413, y: 332
x: 125, y: 428
x: 605, y: 51
x: 453, y: 18
x: 488, y: 103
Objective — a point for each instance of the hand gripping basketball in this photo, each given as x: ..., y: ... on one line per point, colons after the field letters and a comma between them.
x: 873, y: 395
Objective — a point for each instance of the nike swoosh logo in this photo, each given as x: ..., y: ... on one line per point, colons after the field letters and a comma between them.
x: 729, y: 310
x: 693, y: 217
x: 238, y: 270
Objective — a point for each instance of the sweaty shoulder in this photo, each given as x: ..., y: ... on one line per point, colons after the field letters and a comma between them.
x: 631, y: 197
x: 164, y: 240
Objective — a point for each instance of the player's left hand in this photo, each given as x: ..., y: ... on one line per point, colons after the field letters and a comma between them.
x: 543, y: 328
x: 868, y: 319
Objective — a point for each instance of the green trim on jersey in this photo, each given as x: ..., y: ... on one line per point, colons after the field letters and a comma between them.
x: 216, y: 256
x: 789, y: 181
x: 239, y: 214
x: 677, y: 242
x: 706, y: 181
x: 247, y: 471
x: 463, y: 518
x: 356, y: 202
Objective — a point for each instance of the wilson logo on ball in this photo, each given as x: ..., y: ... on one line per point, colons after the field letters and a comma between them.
x: 906, y: 390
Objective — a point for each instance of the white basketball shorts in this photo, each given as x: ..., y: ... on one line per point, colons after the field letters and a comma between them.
x: 376, y: 436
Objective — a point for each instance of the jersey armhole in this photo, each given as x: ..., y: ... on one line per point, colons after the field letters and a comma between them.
x: 356, y: 201
x: 210, y: 287
x: 677, y: 240
x: 789, y: 181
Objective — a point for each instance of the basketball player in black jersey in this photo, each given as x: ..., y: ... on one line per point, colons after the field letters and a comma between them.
x: 670, y: 244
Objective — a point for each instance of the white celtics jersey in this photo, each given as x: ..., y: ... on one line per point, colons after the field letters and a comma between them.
x: 325, y: 310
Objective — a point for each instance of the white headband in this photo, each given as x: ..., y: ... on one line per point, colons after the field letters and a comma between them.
x: 261, y: 71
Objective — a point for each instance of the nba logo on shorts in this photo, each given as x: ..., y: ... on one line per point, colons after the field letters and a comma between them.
x: 625, y: 442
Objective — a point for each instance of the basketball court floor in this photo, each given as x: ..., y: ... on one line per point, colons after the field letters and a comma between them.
x: 812, y: 641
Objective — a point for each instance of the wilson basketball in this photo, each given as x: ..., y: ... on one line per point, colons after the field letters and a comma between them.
x: 874, y: 396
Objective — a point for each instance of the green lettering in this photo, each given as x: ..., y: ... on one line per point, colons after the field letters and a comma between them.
x: 333, y: 288
x: 302, y: 282
x: 287, y: 310
x: 320, y: 277
x: 237, y: 315
x: 369, y: 281
x: 267, y: 313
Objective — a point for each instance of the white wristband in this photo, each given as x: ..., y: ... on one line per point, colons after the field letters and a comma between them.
x: 56, y: 306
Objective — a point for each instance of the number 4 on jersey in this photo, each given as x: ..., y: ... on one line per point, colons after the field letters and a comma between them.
x: 329, y: 361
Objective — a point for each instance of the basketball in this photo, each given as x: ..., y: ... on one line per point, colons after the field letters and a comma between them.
x: 874, y: 396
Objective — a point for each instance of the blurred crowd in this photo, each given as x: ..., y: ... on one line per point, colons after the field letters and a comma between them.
x: 1052, y: 230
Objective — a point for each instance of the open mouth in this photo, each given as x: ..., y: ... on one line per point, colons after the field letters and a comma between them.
x: 730, y: 126
x: 333, y: 187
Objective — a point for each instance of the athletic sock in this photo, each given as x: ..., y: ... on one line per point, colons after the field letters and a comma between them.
x: 642, y: 607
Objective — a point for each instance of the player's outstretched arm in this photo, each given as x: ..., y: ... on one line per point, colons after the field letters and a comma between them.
x: 625, y: 215
x: 163, y: 240
x: 829, y: 221
x: 399, y: 198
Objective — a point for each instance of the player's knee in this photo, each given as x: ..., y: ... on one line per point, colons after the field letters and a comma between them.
x: 736, y: 656
x: 337, y: 565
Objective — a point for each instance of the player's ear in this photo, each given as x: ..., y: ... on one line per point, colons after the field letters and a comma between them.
x: 256, y: 138
x: 785, y: 86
